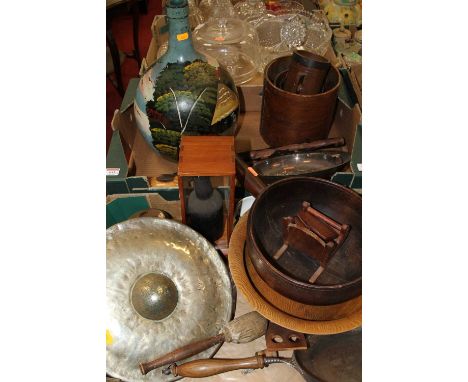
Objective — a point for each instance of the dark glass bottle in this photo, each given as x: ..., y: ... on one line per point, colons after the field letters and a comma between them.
x: 205, y: 209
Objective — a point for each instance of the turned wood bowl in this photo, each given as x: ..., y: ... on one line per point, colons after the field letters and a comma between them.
x: 341, y: 281
x: 298, y: 309
x: 242, y: 279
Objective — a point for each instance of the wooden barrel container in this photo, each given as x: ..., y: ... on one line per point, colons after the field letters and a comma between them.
x: 289, y: 118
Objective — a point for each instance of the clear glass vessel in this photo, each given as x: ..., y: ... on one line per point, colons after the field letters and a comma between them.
x: 195, y: 14
x: 283, y: 31
x: 251, y: 10
x: 216, y: 8
x: 233, y: 42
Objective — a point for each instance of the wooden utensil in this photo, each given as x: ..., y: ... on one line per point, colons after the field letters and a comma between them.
x: 315, y: 145
x: 207, y: 367
x: 329, y: 358
x: 245, y: 328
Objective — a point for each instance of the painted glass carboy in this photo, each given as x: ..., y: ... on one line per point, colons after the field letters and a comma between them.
x: 184, y: 91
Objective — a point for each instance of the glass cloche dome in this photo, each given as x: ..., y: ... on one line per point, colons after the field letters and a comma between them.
x: 184, y: 91
x: 232, y: 41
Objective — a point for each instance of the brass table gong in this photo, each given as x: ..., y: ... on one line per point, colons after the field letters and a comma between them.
x: 166, y: 287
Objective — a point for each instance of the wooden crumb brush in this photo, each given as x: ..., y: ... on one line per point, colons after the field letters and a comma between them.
x: 243, y: 329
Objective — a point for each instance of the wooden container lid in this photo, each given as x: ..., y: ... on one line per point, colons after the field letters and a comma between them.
x: 206, y: 156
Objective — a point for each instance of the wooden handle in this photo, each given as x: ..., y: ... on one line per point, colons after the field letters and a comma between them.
x: 319, y: 144
x: 337, y: 226
x: 208, y: 367
x: 181, y: 353
x: 248, y: 177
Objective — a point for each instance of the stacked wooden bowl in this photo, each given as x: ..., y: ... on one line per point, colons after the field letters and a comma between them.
x: 279, y: 289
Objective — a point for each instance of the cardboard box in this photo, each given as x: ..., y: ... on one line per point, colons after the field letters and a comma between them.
x: 250, y: 93
x: 346, y: 124
x: 133, y: 165
x: 139, y: 173
x: 250, y: 96
x: 121, y: 207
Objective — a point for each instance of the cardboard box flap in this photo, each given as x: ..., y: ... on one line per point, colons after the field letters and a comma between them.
x: 116, y: 163
x: 346, y: 92
x: 356, y: 156
x: 121, y: 209
x: 129, y: 94
x: 353, y: 179
x: 136, y: 183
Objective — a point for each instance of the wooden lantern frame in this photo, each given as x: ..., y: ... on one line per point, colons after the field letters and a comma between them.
x: 212, y: 156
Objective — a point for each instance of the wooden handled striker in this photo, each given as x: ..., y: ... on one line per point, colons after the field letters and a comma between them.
x: 245, y: 328
x: 207, y: 367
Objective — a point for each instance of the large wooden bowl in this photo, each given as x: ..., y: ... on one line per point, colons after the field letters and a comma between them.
x: 258, y: 302
x: 341, y: 281
x: 297, y: 309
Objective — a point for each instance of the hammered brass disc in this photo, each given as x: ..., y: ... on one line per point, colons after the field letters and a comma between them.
x: 154, y: 296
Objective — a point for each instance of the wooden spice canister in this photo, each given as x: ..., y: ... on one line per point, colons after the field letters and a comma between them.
x: 306, y: 73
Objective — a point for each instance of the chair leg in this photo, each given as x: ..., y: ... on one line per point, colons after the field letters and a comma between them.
x: 136, y: 26
x: 143, y: 6
x: 115, y: 61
